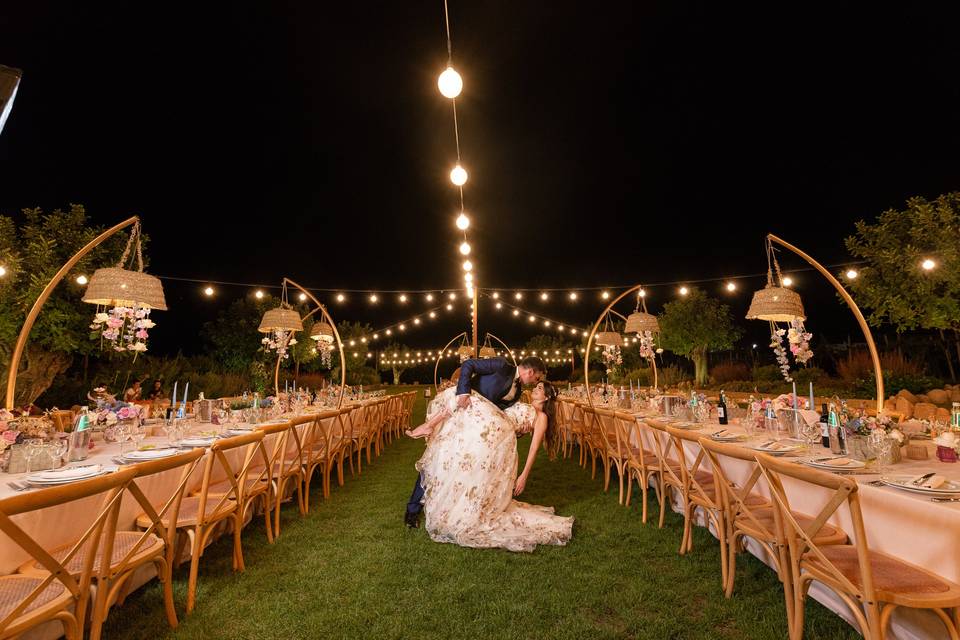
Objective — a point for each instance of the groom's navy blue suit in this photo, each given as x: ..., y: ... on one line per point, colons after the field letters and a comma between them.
x: 492, y: 378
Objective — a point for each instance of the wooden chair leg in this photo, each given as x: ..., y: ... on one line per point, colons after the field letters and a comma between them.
x: 197, y: 550
x: 165, y: 569
x: 237, y: 544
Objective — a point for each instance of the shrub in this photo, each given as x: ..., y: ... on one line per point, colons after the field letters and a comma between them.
x: 767, y: 373
x: 643, y: 377
x: 728, y: 371
x: 859, y: 366
x: 893, y: 382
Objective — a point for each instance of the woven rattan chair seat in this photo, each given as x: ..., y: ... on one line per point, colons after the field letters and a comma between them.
x: 828, y: 534
x: 123, y: 543
x: 190, y: 509
x: 892, y: 577
x: 15, y: 589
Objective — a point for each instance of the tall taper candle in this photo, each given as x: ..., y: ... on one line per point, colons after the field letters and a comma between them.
x: 186, y: 389
x: 173, y: 402
x: 811, y: 407
x: 795, y: 401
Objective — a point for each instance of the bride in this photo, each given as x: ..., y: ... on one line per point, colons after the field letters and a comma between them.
x: 469, y: 472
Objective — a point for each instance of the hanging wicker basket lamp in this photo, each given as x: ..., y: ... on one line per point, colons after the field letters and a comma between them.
x: 120, y: 287
x: 322, y: 332
x: 488, y: 352
x: 281, y: 319
x: 775, y: 303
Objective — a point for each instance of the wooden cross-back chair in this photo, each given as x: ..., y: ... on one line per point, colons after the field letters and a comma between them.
x: 596, y: 445
x: 291, y: 465
x: 871, y: 583
x: 578, y: 431
x: 640, y: 462
x: 258, y: 483
x: 747, y: 517
x: 200, y: 514
x: 328, y: 435
x: 134, y: 549
x: 615, y: 456
x: 27, y: 601
x: 667, y: 463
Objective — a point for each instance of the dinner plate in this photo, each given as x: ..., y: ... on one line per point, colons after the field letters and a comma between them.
x: 55, y: 477
x: 687, y: 425
x: 827, y: 465
x: 729, y: 437
x: 150, y: 454
x: 196, y: 442
x: 786, y: 448
x: 948, y: 488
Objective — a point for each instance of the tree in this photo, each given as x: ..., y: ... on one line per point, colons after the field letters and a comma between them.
x: 234, y: 338
x: 549, y: 347
x: 893, y: 285
x: 391, y: 360
x: 31, y: 255
x: 358, y: 369
x: 695, y: 325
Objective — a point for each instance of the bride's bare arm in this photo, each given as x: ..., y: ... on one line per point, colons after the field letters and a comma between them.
x: 426, y: 429
x: 539, y: 428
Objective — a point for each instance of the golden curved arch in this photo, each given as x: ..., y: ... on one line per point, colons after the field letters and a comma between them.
x: 44, y: 295
x: 462, y: 334
x: 593, y: 331
x: 509, y: 350
x: 343, y: 361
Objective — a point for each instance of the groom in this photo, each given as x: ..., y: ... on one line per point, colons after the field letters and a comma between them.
x: 497, y: 381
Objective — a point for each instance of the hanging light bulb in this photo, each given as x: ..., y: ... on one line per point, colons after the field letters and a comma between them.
x: 429, y: 297
x: 258, y: 294
x: 450, y: 83
x: 458, y: 176
x: 787, y: 281
x: 341, y: 297
x: 467, y: 265
x: 731, y: 286
x: 373, y: 297
x: 468, y: 277
x: 684, y: 291
x: 852, y: 274
x: 208, y: 291
x: 495, y: 295
x: 605, y: 295
x: 928, y: 265
x: 81, y: 279
x: 465, y: 248
x: 463, y: 222
x: 544, y: 295
x: 403, y: 297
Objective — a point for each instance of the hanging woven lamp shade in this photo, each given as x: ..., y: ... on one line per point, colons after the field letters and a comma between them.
x: 609, y: 339
x: 114, y: 286
x: 640, y: 321
x: 465, y: 351
x: 487, y: 352
x: 777, y: 304
x: 322, y: 332
x: 281, y: 319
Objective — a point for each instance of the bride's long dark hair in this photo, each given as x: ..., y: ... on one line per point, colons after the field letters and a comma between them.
x: 551, y: 437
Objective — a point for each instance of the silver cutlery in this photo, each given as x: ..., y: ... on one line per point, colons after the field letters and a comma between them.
x: 17, y: 486
x: 69, y: 468
x: 877, y: 483
x: 919, y: 481
x: 827, y: 459
x: 944, y: 499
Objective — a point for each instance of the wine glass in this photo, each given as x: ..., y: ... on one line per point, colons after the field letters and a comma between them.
x: 32, y: 448
x: 137, y: 434
x: 878, y: 448
x: 60, y: 446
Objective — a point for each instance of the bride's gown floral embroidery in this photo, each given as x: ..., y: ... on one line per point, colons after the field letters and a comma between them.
x: 468, y: 473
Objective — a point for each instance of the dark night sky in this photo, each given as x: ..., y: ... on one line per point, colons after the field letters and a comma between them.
x: 607, y: 143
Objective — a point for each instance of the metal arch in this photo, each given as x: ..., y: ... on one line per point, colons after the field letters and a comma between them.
x: 436, y: 387
x: 509, y: 350
x: 336, y: 334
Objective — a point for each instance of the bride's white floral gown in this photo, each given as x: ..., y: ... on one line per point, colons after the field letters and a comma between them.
x: 468, y: 472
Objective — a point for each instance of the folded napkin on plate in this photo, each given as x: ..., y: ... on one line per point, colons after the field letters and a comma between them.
x: 150, y: 454
x: 776, y: 446
x: 838, y: 462
x: 933, y: 482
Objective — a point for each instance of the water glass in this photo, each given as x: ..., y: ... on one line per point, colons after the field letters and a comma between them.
x: 33, y: 447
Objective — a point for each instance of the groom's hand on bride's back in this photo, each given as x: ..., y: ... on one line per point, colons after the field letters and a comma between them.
x: 463, y: 401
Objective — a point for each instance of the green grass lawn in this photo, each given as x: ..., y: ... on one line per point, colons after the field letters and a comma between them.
x: 350, y: 569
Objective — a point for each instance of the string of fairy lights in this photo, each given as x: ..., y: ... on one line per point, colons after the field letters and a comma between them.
x: 450, y: 85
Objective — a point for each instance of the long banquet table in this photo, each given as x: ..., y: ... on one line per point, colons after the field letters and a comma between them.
x: 906, y: 525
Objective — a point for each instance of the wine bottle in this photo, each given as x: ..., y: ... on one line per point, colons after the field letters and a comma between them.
x: 722, y: 409
x: 825, y: 426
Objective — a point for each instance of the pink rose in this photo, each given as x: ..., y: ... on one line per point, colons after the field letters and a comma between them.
x: 10, y: 437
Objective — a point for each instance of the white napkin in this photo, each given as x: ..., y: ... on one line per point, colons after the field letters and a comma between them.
x: 65, y: 474
x: 149, y: 454
x: 839, y: 462
x: 932, y: 482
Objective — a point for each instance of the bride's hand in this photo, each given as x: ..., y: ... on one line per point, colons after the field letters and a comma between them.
x: 520, y: 485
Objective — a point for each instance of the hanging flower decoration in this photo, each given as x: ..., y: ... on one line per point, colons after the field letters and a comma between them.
x: 647, y: 345
x: 279, y: 340
x: 799, y: 340
x: 611, y: 357
x: 123, y: 328
x: 325, y: 351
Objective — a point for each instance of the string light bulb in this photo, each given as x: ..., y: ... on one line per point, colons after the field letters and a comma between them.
x: 544, y: 296
x: 852, y: 274
x: 341, y: 297
x: 3, y: 271
x: 495, y: 295
x: 787, y: 281
x: 429, y: 297
x: 467, y: 265
x: 403, y: 297
x: 731, y: 286
x: 605, y: 295
x: 81, y: 279
x: 573, y: 295
x: 684, y: 291
x: 450, y: 83
x: 643, y: 293
x: 518, y: 295
x: 373, y: 298
x: 928, y: 265
x: 207, y: 292
x: 258, y: 294
x: 458, y: 176
x: 463, y: 222
x: 465, y: 248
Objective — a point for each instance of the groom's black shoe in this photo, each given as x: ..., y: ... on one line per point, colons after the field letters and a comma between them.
x: 412, y: 519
